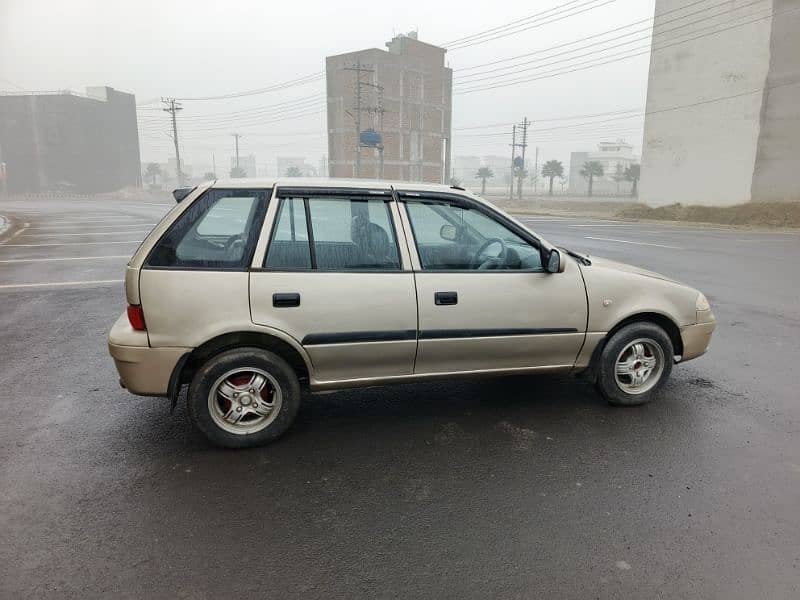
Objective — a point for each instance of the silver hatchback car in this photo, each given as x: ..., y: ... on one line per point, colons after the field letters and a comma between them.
x: 248, y: 288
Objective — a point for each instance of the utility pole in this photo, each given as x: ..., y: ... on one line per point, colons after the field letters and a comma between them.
x: 535, y: 177
x: 513, y: 153
x: 236, y: 137
x: 172, y: 107
x: 214, y: 165
x: 524, y: 145
x: 358, y: 108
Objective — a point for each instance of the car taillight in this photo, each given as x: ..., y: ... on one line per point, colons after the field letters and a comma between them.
x: 136, y: 317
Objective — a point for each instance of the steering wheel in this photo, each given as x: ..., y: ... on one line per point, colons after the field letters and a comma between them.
x: 499, y: 260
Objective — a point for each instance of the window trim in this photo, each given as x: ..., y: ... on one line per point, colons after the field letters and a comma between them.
x: 307, y: 194
x: 404, y: 197
x: 247, y: 256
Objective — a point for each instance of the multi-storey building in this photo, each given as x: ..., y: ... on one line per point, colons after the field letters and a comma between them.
x: 389, y: 112
x: 65, y: 141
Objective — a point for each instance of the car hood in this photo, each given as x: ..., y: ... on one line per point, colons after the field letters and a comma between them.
x: 618, y: 266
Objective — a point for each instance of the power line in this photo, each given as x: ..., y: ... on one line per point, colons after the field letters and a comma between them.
x: 559, y: 15
x: 590, y: 64
x: 647, y: 37
x: 614, y: 30
x: 278, y: 86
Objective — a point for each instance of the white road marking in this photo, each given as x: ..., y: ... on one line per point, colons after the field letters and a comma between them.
x: 92, y: 225
x: 68, y: 244
x: 605, y: 225
x: 532, y: 220
x: 601, y: 239
x: 17, y: 260
x: 57, y: 234
x: 58, y: 283
x: 94, y: 221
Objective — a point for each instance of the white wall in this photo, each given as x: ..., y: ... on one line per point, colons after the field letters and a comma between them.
x: 705, y: 154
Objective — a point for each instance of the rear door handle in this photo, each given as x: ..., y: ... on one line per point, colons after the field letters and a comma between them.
x: 445, y: 298
x: 285, y: 300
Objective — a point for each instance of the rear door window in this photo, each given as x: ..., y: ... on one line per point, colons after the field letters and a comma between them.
x: 333, y: 234
x: 219, y: 231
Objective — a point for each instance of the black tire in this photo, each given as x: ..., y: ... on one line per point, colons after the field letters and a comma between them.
x: 607, y: 382
x: 244, y: 358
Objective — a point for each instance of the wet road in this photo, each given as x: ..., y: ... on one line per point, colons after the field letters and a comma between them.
x: 516, y: 488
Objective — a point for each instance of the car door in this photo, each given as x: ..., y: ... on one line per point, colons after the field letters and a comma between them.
x: 485, y: 303
x: 334, y: 277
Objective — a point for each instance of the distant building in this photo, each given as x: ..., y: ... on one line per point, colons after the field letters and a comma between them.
x: 65, y: 141
x: 465, y: 168
x: 404, y: 95
x: 247, y: 164
x: 614, y: 157
x: 722, y: 124
x: 284, y: 163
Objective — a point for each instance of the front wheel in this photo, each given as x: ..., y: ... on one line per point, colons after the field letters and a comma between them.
x: 244, y: 398
x: 634, y: 364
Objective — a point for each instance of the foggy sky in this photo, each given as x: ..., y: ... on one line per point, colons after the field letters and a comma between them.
x: 189, y: 49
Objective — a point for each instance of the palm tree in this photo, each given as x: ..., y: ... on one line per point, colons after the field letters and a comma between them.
x: 153, y: 171
x: 589, y: 171
x: 483, y: 174
x: 632, y: 174
x: 293, y: 171
x: 237, y: 172
x: 552, y: 169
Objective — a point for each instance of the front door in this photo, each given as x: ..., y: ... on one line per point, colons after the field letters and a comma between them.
x: 485, y: 302
x: 334, y: 277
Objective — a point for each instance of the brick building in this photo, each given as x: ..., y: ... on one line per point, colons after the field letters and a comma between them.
x: 65, y: 141
x: 406, y: 97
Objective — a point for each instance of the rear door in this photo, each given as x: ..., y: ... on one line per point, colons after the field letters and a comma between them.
x: 334, y: 276
x: 485, y: 302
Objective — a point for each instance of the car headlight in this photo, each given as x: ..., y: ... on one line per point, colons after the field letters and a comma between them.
x: 702, y: 302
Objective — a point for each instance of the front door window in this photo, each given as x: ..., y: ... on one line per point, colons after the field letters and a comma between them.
x: 450, y: 237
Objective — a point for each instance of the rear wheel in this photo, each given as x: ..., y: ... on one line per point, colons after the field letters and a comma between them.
x: 243, y: 398
x: 634, y: 364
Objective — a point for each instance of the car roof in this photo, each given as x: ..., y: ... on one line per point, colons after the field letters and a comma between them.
x: 327, y: 182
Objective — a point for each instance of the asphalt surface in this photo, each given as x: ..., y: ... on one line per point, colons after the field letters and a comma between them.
x: 517, y: 488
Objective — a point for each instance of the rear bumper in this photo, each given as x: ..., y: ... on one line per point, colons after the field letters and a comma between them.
x: 142, y: 370
x: 145, y: 371
x: 696, y: 338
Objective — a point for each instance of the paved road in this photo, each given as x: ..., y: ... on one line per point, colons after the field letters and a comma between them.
x: 519, y: 488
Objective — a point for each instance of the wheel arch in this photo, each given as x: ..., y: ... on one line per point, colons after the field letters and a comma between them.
x: 238, y: 339
x: 666, y: 323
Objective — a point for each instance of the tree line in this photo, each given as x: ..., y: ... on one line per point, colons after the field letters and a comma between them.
x: 554, y: 168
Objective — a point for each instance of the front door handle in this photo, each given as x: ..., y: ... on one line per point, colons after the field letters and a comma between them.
x: 285, y: 300
x: 445, y: 298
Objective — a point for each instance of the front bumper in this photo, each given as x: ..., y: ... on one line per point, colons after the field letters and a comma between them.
x: 142, y: 370
x: 696, y: 338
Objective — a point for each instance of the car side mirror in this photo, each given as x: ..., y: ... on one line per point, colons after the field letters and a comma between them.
x: 181, y: 193
x: 448, y: 232
x: 554, y: 261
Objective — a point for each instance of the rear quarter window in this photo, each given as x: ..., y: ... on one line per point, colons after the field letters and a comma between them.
x: 219, y: 231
